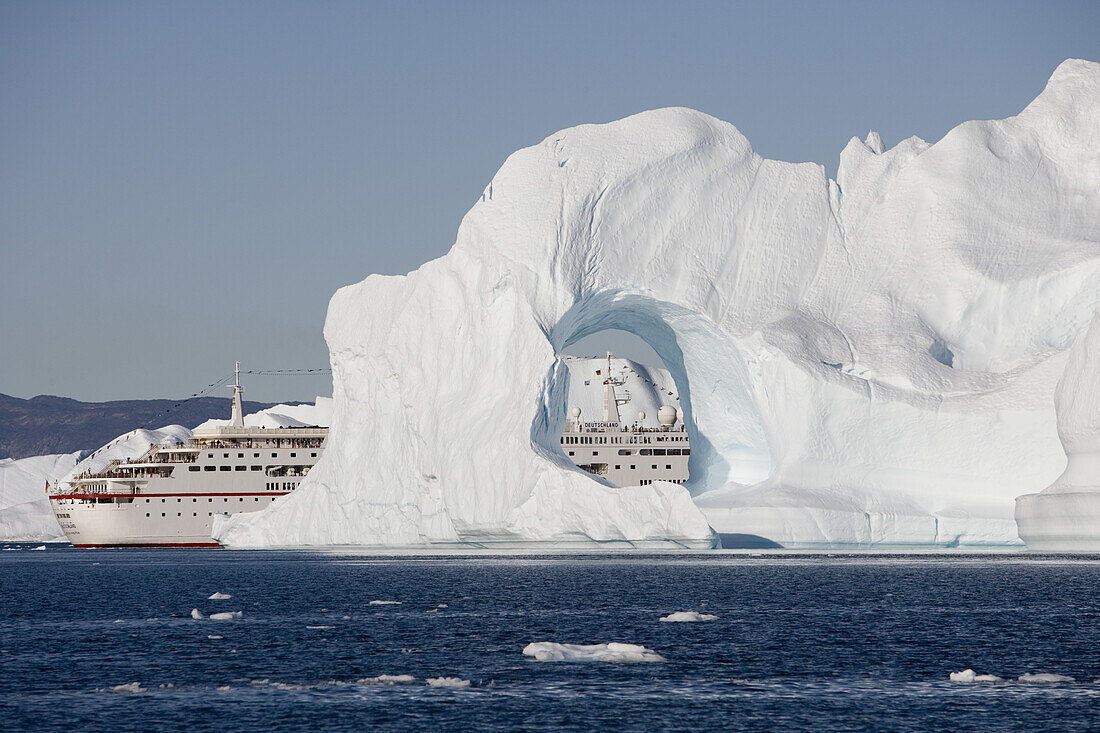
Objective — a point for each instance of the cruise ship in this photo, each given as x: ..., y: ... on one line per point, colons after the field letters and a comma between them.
x: 170, y: 495
x: 627, y: 454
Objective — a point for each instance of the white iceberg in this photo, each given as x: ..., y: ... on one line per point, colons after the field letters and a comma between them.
x: 1045, y: 678
x: 1066, y: 516
x: 227, y: 616
x: 388, y: 679
x: 197, y: 614
x: 217, y: 596
x: 454, y: 683
x: 869, y: 361
x: 549, y: 651
x: 130, y: 688
x: 384, y: 603
x: 969, y: 675
x: 689, y: 616
x: 25, y: 512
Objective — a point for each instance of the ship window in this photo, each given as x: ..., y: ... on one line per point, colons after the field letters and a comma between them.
x: 595, y: 452
x: 225, y: 468
x: 209, y: 468
x: 617, y: 466
x: 257, y: 468
x: 646, y: 451
x: 687, y: 451
x: 312, y: 455
x: 274, y: 455
x: 179, y: 501
x: 625, y: 452
x: 631, y: 466
x: 667, y: 466
x: 240, y: 455
x: 241, y: 468
x: 255, y: 455
x: 655, y: 465
x: 146, y: 513
x: 194, y: 514
x: 257, y: 498
x: 179, y: 514
x: 242, y: 498
x: 572, y: 452
x: 162, y: 501
x: 210, y: 501
x: 292, y: 455
x: 659, y: 451
x: 209, y: 455
x: 194, y: 468
x: 162, y: 514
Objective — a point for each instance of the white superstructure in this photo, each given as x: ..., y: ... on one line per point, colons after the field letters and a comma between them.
x: 170, y: 495
x: 627, y: 454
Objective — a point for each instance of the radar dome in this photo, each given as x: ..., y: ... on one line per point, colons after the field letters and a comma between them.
x: 666, y: 416
x: 641, y: 416
x: 576, y: 412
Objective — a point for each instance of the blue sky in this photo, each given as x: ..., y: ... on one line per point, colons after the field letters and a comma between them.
x: 186, y: 184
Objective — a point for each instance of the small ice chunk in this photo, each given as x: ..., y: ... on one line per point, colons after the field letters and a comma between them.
x: 441, y: 605
x: 454, y: 683
x: 969, y: 675
x: 40, y: 547
x: 225, y: 688
x: 214, y: 636
x: 320, y: 627
x: 219, y: 597
x: 132, y: 688
x: 227, y: 616
x: 388, y: 679
x: 1045, y: 678
x: 384, y: 603
x: 549, y: 651
x: 197, y: 614
x: 689, y: 616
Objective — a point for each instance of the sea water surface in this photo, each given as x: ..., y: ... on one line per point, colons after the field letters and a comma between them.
x: 105, y: 640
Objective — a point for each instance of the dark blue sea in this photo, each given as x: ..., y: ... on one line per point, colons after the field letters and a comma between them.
x: 842, y: 642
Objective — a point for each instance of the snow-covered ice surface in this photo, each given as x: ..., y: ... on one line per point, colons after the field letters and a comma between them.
x: 549, y: 651
x: 25, y: 513
x: 1066, y: 515
x: 689, y: 616
x: 219, y: 596
x: 318, y: 414
x: 869, y: 361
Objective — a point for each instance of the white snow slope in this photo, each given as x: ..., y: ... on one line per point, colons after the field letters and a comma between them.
x: 1066, y: 516
x: 866, y: 361
x: 25, y: 513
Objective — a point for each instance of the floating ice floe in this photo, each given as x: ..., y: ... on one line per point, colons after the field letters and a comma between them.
x: 131, y: 688
x: 214, y: 637
x: 388, y: 679
x: 219, y: 597
x: 969, y: 675
x: 40, y: 547
x: 197, y: 614
x: 549, y: 651
x: 320, y: 627
x: 454, y: 683
x: 1045, y: 678
x: 689, y: 616
x: 384, y: 603
x: 227, y: 616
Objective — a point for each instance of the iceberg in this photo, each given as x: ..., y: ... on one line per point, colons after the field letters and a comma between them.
x: 25, y: 512
x: 867, y: 361
x: 1065, y: 516
x: 549, y: 651
x: 688, y: 617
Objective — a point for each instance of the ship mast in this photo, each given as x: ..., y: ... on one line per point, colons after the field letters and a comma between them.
x: 237, y: 421
x: 610, y: 404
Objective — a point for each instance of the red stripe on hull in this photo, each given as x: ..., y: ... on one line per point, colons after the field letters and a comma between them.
x: 155, y: 544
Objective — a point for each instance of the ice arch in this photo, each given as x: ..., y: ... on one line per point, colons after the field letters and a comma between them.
x: 728, y: 444
x: 808, y: 320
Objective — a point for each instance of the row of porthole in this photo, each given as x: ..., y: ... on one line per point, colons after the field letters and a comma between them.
x: 257, y: 455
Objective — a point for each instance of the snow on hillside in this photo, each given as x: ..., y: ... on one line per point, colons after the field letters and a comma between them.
x: 25, y: 514
x: 866, y: 361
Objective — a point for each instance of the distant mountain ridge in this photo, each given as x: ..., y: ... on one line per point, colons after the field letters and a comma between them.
x: 47, y: 424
